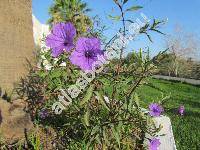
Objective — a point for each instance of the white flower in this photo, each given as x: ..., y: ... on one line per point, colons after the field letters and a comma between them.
x: 44, y: 48
x: 55, y: 60
x: 106, y: 99
x: 47, y: 65
x: 43, y: 57
x: 63, y: 64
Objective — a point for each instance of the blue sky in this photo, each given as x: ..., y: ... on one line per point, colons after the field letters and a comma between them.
x: 182, y: 12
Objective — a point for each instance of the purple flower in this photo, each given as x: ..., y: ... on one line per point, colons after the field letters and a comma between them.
x: 155, y: 109
x: 89, y: 29
x: 154, y: 144
x: 61, y: 38
x: 181, y: 110
x: 43, y: 114
x: 87, y: 50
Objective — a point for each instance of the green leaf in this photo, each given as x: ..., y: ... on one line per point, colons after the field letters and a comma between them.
x: 101, y: 99
x: 88, y: 95
x: 149, y: 37
x: 158, y: 31
x: 140, y: 53
x: 125, y: 1
x: 98, y: 139
x: 137, y: 100
x: 116, y: 18
x: 56, y: 74
x: 134, y: 8
x: 42, y: 74
x: 105, y: 137
x: 134, y: 102
x: 116, y: 135
x: 86, y: 117
x: 116, y: 2
x: 94, y: 130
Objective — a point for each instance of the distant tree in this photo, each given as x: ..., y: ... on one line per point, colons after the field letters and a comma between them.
x: 181, y: 46
x: 73, y: 11
x: 165, y: 67
x: 196, y: 70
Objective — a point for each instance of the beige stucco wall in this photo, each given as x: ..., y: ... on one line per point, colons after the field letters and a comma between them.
x: 16, y: 40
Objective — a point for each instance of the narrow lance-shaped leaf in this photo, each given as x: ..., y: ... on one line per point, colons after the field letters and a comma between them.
x: 134, y: 102
x: 140, y: 54
x: 134, y: 8
x: 158, y: 31
x: 105, y: 136
x: 140, y: 57
x: 125, y: 1
x: 116, y: 2
x: 101, y: 99
x: 116, y: 135
x: 116, y: 18
x: 149, y: 37
x: 87, y: 96
x: 95, y: 130
x: 97, y: 137
x: 136, y: 99
x: 87, y: 117
x: 130, y: 105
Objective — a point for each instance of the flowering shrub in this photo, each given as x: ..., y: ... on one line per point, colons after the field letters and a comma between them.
x: 105, y: 112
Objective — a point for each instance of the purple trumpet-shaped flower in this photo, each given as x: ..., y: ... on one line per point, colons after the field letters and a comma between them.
x: 155, y: 109
x: 61, y: 38
x: 43, y: 114
x: 181, y: 110
x: 87, y: 50
x: 154, y: 144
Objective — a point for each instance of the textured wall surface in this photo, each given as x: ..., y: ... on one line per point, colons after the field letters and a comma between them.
x: 16, y: 40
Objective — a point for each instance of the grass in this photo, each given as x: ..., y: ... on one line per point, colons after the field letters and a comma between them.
x: 186, y: 128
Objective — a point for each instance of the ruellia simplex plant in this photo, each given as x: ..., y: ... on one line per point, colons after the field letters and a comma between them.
x: 106, y: 114
x: 98, y: 66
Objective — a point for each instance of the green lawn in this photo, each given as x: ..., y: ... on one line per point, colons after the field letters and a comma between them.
x: 187, y: 128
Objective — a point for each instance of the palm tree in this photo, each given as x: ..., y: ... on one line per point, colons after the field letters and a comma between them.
x: 70, y: 10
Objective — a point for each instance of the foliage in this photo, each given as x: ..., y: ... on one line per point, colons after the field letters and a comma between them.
x: 182, y: 47
x: 196, y: 70
x: 73, y: 11
x: 188, y: 68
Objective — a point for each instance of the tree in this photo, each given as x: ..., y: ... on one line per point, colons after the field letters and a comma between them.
x: 181, y: 46
x: 196, y: 70
x: 70, y: 10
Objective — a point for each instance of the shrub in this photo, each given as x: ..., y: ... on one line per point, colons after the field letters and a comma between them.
x: 103, y: 113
